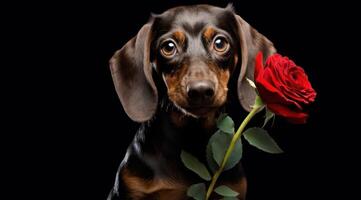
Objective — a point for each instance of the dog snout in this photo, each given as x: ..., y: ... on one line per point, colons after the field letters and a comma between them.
x: 200, y: 92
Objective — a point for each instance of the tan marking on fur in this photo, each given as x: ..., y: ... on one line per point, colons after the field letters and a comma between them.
x: 179, y: 36
x: 209, y: 33
x: 175, y: 86
x: 179, y: 193
x: 223, y: 76
x: 210, y: 121
x: 140, y: 188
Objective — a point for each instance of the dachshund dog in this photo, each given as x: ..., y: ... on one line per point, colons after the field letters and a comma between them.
x: 173, y: 78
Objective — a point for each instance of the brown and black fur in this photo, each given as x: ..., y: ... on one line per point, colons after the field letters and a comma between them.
x: 177, y: 98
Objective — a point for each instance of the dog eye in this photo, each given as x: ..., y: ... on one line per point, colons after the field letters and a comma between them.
x: 220, y: 44
x: 168, y: 49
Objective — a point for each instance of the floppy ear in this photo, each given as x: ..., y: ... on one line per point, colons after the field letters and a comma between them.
x: 132, y: 76
x: 251, y: 43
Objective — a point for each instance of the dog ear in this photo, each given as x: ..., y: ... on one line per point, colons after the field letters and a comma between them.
x: 132, y: 76
x: 251, y: 42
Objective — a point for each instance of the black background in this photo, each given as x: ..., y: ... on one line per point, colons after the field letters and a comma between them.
x: 68, y: 127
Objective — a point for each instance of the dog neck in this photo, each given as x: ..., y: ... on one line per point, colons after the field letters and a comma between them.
x: 171, y: 130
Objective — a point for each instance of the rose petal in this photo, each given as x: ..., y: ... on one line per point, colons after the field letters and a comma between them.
x: 258, y: 65
x: 268, y: 92
x: 270, y: 95
x: 296, y: 117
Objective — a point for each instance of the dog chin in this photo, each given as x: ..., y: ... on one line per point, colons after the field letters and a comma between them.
x: 198, y: 112
x: 201, y: 111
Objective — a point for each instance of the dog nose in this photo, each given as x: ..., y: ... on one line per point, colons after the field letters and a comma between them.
x: 200, y: 91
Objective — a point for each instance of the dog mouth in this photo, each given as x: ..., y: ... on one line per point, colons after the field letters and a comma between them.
x: 195, y: 109
x: 200, y: 111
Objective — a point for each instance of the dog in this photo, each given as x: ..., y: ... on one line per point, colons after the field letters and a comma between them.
x: 175, y: 78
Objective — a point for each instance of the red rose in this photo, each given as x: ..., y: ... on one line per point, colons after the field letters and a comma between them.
x: 283, y: 87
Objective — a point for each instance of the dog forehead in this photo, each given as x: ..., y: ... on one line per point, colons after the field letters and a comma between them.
x: 192, y: 18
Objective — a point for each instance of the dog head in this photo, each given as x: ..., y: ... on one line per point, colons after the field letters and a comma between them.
x: 195, y: 50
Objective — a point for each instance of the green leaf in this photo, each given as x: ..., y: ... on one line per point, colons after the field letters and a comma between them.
x: 259, y: 138
x: 236, y: 154
x: 209, y: 155
x: 217, y: 147
x: 269, y: 116
x: 195, y: 165
x: 225, y: 123
x: 197, y: 191
x: 230, y: 198
x: 226, y: 191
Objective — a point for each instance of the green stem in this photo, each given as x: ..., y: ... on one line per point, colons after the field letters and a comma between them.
x: 257, y: 107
